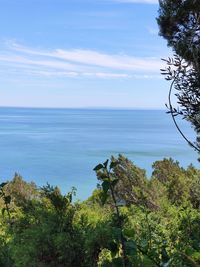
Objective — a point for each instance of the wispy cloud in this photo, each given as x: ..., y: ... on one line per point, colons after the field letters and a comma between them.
x: 78, y: 62
x: 120, y: 62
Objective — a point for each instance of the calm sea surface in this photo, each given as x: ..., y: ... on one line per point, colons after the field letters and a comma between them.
x: 61, y: 146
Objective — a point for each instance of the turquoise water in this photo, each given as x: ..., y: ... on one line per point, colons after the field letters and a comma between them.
x: 61, y: 146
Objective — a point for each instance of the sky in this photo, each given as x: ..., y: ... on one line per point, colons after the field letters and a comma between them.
x: 81, y: 53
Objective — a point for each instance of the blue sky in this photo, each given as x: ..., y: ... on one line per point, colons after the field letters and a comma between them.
x: 81, y: 53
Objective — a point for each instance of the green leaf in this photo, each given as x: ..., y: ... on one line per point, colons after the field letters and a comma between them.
x: 105, y: 186
x: 106, y: 163
x: 98, y: 167
x: 113, y: 164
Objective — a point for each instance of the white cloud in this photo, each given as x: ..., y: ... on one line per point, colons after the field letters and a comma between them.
x: 120, y: 62
x: 78, y: 62
x: 107, y: 75
x: 95, y: 58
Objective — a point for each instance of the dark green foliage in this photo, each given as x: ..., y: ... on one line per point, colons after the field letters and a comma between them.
x: 132, y: 187
x: 43, y: 233
x: 179, y: 185
x: 154, y: 222
x: 179, y: 23
x: 173, y: 179
x: 194, y: 186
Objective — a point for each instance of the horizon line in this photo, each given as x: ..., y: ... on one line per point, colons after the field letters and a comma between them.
x: 86, y: 108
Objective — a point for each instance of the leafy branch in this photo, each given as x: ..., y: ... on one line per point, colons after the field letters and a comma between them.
x: 182, y: 77
x: 109, y: 182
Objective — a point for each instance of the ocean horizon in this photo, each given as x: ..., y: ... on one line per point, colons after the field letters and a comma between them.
x: 61, y: 146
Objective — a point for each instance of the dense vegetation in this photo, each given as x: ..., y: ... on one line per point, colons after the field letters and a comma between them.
x: 128, y: 221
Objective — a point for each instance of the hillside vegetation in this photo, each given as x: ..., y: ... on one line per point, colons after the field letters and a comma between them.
x: 128, y: 221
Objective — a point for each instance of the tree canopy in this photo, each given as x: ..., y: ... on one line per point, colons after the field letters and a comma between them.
x: 179, y: 22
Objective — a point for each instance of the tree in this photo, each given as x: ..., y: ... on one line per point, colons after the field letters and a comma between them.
x: 21, y: 191
x: 179, y: 22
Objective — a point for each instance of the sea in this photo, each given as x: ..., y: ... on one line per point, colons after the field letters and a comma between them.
x: 62, y: 146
